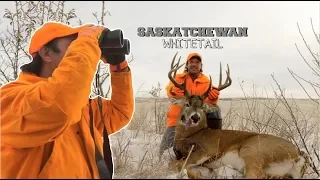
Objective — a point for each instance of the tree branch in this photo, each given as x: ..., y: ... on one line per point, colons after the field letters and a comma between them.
x: 315, y: 59
x: 315, y: 34
x: 292, y: 74
x: 307, y: 62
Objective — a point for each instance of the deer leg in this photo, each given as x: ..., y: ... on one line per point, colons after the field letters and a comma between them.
x: 176, y: 164
x: 253, y: 165
x: 279, y: 177
x: 197, y: 175
x: 213, y: 165
x: 253, y: 170
x: 253, y: 160
x: 196, y: 158
x: 193, y: 175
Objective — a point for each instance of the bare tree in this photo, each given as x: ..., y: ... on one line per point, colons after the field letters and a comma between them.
x: 22, y: 21
x: 102, y: 72
x: 313, y: 64
x: 158, y: 111
x: 298, y: 119
x: 155, y: 91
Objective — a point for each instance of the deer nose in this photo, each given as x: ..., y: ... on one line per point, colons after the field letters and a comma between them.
x: 195, y: 118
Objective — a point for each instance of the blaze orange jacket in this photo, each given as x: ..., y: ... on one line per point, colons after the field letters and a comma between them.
x: 45, y: 130
x: 196, y: 87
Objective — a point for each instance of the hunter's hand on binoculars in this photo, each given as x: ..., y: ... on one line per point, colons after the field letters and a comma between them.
x: 111, y: 42
x: 113, y: 59
x: 91, y: 32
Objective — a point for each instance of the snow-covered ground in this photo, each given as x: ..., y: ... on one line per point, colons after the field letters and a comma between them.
x: 136, y: 157
x: 136, y: 147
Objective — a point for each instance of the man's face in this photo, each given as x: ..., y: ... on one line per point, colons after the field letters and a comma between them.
x: 62, y: 45
x: 194, y: 65
x: 51, y: 58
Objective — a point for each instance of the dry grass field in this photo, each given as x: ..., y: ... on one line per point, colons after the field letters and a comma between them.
x: 135, y: 148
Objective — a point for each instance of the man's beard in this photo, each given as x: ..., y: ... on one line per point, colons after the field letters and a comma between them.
x: 194, y: 70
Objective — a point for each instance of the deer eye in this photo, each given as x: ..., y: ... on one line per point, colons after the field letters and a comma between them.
x: 187, y: 104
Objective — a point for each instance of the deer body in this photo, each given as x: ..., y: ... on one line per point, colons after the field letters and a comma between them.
x: 256, y: 155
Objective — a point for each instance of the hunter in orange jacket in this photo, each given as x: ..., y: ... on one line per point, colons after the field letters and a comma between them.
x: 196, y: 86
x: 45, y: 130
x: 196, y: 83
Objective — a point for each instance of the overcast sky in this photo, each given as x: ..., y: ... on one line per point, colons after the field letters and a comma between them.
x: 269, y: 47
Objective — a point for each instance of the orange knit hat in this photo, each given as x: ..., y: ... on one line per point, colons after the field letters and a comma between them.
x: 49, y: 31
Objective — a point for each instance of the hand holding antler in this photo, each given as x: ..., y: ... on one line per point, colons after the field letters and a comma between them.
x: 213, y: 94
x: 177, y: 92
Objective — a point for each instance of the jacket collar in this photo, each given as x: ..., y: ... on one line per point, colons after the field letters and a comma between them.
x: 201, y: 78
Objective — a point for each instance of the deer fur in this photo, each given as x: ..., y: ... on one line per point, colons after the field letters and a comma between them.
x: 255, y: 155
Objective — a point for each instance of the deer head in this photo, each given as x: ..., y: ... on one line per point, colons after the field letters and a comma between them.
x: 193, y: 111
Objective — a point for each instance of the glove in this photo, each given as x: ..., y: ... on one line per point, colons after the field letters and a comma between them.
x: 214, y: 94
x: 91, y: 32
x: 112, y: 59
x: 117, y: 62
x: 177, y: 92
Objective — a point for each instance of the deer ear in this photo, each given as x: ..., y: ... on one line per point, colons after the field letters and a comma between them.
x: 205, y: 107
x: 177, y: 101
x: 208, y: 108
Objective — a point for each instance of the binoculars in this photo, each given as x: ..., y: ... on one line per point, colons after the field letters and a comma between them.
x: 112, y: 42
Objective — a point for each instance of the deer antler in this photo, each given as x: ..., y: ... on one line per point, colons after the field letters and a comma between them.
x: 205, y: 95
x: 228, y: 81
x: 176, y: 65
x: 226, y: 84
x: 174, y: 69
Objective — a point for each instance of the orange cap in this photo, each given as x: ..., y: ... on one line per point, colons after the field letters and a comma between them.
x: 191, y: 55
x: 49, y: 31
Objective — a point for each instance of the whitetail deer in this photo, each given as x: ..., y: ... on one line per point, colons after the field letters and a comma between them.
x: 255, y: 155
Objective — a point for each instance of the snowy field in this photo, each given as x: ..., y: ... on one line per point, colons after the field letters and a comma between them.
x: 136, y: 147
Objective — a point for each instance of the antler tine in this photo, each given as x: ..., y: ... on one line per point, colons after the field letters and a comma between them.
x: 174, y: 57
x: 174, y: 70
x: 220, y: 75
x: 186, y: 93
x: 205, y: 95
x: 175, y: 65
x: 228, y: 81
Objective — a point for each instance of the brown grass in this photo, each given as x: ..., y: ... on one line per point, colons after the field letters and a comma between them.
x: 296, y: 120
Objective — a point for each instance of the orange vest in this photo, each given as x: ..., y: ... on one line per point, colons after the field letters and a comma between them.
x: 196, y: 87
